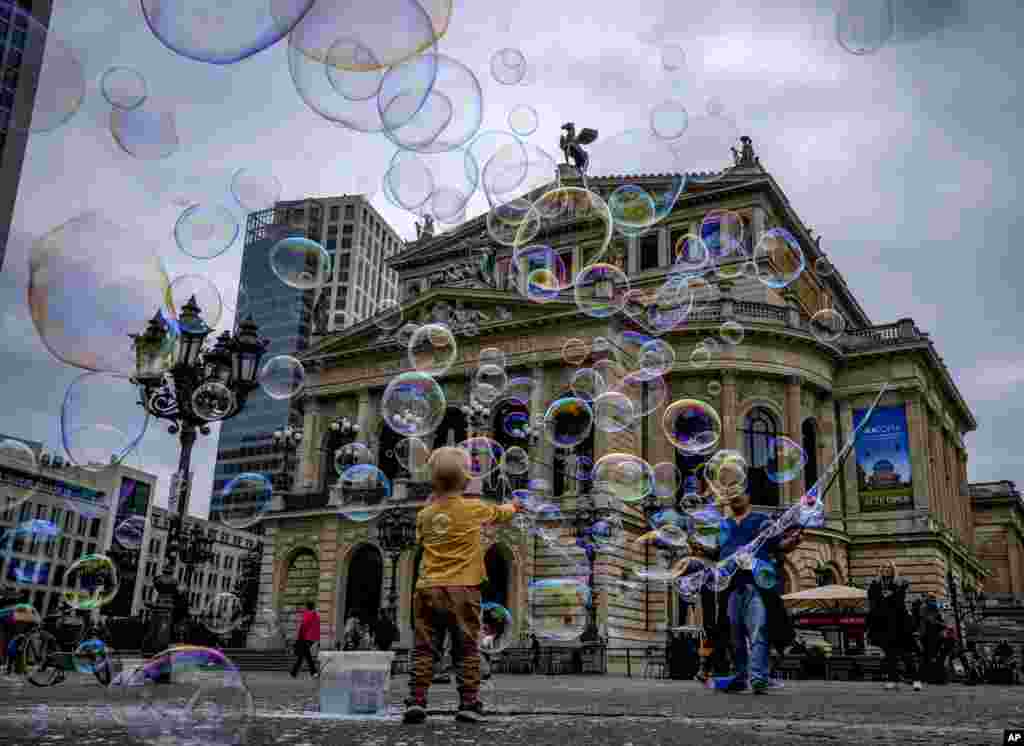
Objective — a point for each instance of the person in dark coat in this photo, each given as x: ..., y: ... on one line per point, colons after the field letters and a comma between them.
x: 385, y: 632
x: 931, y: 629
x: 889, y: 624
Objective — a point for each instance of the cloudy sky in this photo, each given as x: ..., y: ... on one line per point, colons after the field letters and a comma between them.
x: 905, y: 161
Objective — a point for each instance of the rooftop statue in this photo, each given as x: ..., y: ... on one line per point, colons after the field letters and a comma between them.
x: 571, y: 145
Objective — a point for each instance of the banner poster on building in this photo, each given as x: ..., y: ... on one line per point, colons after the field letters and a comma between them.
x: 133, y: 499
x: 884, y: 478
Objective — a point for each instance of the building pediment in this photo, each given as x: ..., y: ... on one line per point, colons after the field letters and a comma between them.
x: 468, y: 312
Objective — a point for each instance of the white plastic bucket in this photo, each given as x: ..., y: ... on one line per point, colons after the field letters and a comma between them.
x: 355, y: 682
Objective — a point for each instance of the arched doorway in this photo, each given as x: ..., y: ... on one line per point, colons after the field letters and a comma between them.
x: 364, y: 583
x: 759, y: 433
x: 301, y: 584
x: 387, y: 459
x: 496, y: 589
x: 510, y: 423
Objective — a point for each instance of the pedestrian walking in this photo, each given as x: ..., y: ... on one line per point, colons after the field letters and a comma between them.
x: 753, y: 609
x: 930, y: 630
x: 889, y: 626
x: 448, y: 588
x: 308, y: 636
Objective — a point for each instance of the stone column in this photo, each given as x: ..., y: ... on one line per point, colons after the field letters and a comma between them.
x: 730, y: 436
x: 326, y: 592
x: 938, y: 464
x: 543, y: 452
x: 793, y: 488
x: 265, y: 597
x: 849, y: 474
x: 632, y: 256
x: 665, y: 256
x: 828, y: 448
x: 756, y: 225
x: 312, y: 433
x: 920, y: 464
x: 364, y: 416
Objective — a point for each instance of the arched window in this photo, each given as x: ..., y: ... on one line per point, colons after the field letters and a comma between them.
x: 759, y: 433
x: 824, y: 575
x: 511, y: 419
x: 810, y: 446
x: 452, y: 429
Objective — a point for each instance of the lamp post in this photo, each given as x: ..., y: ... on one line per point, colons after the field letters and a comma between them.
x: 396, y: 532
x: 190, y: 385
x: 588, y: 513
x: 340, y: 432
x: 286, y: 442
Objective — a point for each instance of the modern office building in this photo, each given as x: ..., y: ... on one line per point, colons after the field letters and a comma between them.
x: 54, y: 513
x: 359, y: 241
x: 219, y: 575
x: 21, y: 54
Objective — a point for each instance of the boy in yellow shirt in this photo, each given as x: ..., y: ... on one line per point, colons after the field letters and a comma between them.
x: 448, y: 589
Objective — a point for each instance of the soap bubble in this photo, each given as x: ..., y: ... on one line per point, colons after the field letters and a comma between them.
x: 629, y: 478
x: 492, y: 356
x: 516, y: 425
x: 351, y: 454
x: 731, y: 332
x: 205, y: 231
x: 432, y: 349
x: 714, y: 388
x: 700, y: 357
x: 211, y: 306
x: 691, y: 254
x: 90, y: 582
x: 282, y: 377
x: 558, y: 608
x: 223, y: 614
x: 515, y: 461
x: 413, y: 404
x: 523, y: 120
x: 96, y: 432
x: 92, y: 656
x: 657, y: 358
x: 59, y: 86
x: 213, y: 401
x: 412, y: 454
x: 726, y: 473
x: 131, y: 531
x: 123, y: 87
x: 864, y: 26
x: 365, y: 491
x: 600, y: 290
x: 300, y: 263
x: 25, y: 548
x: 255, y: 188
x: 789, y: 460
x: 568, y: 421
x: 673, y: 58
x: 243, y: 501
x: 585, y: 207
x: 587, y: 383
x: 632, y: 208
x: 646, y: 393
x: 827, y: 325
x: 613, y: 412
x: 483, y: 456
x: 496, y: 629
x: 513, y: 173
x: 484, y: 393
x: 722, y: 232
x: 388, y: 316
x: 93, y: 282
x: 667, y: 479
x: 779, y: 258
x: 17, y: 455
x: 491, y: 375
x: 508, y: 66
x: 224, y: 32
x: 692, y: 426
x: 669, y: 119
x: 353, y: 69
x: 149, y: 133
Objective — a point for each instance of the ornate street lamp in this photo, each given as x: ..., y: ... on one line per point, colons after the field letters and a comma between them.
x: 286, y: 442
x: 396, y: 532
x: 588, y: 516
x: 340, y: 432
x: 478, y: 416
x: 190, y: 385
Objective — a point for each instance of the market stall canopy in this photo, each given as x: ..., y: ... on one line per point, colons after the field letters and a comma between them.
x: 826, y: 597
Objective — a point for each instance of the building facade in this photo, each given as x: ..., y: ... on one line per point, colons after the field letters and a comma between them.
x: 359, y: 242
x: 781, y: 380
x: 999, y: 534
x: 74, y: 512
x: 230, y: 549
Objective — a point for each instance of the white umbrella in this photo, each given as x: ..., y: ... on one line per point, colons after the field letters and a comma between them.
x: 826, y: 597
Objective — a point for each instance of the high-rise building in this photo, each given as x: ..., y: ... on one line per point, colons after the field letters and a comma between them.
x: 21, y: 55
x: 359, y: 241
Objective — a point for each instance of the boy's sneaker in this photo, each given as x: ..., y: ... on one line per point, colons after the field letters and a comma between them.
x: 415, y: 712
x: 917, y: 686
x: 760, y: 686
x: 473, y: 713
x: 890, y: 685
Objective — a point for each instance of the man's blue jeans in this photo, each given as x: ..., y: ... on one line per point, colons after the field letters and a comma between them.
x: 749, y: 621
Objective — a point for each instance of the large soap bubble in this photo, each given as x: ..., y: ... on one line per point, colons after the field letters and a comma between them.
x: 561, y: 203
x: 300, y: 263
x: 19, y: 456
x: 92, y: 283
x: 568, y: 422
x: 433, y: 350
x: 692, y: 426
x: 96, y: 430
x: 149, y: 134
x: 778, y: 258
x: 124, y: 87
x: 223, y: 32
x: 497, y: 631
x: 864, y: 26
x: 206, y: 231
x: 413, y: 404
x: 282, y: 377
x: 600, y: 290
x: 255, y: 188
x: 243, y: 501
x: 204, y: 291
x: 627, y: 477
x: 558, y: 608
x: 91, y: 582
x: 364, y: 490
x: 508, y: 66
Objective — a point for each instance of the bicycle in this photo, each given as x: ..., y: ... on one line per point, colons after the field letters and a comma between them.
x: 44, y: 664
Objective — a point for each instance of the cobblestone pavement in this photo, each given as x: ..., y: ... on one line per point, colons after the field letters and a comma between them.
x: 553, y: 710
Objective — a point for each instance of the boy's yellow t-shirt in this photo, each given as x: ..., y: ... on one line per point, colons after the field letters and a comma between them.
x: 449, y: 531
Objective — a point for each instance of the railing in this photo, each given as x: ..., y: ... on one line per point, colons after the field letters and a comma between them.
x: 760, y: 311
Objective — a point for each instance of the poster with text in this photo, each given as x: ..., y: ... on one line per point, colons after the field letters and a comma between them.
x: 884, y: 476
